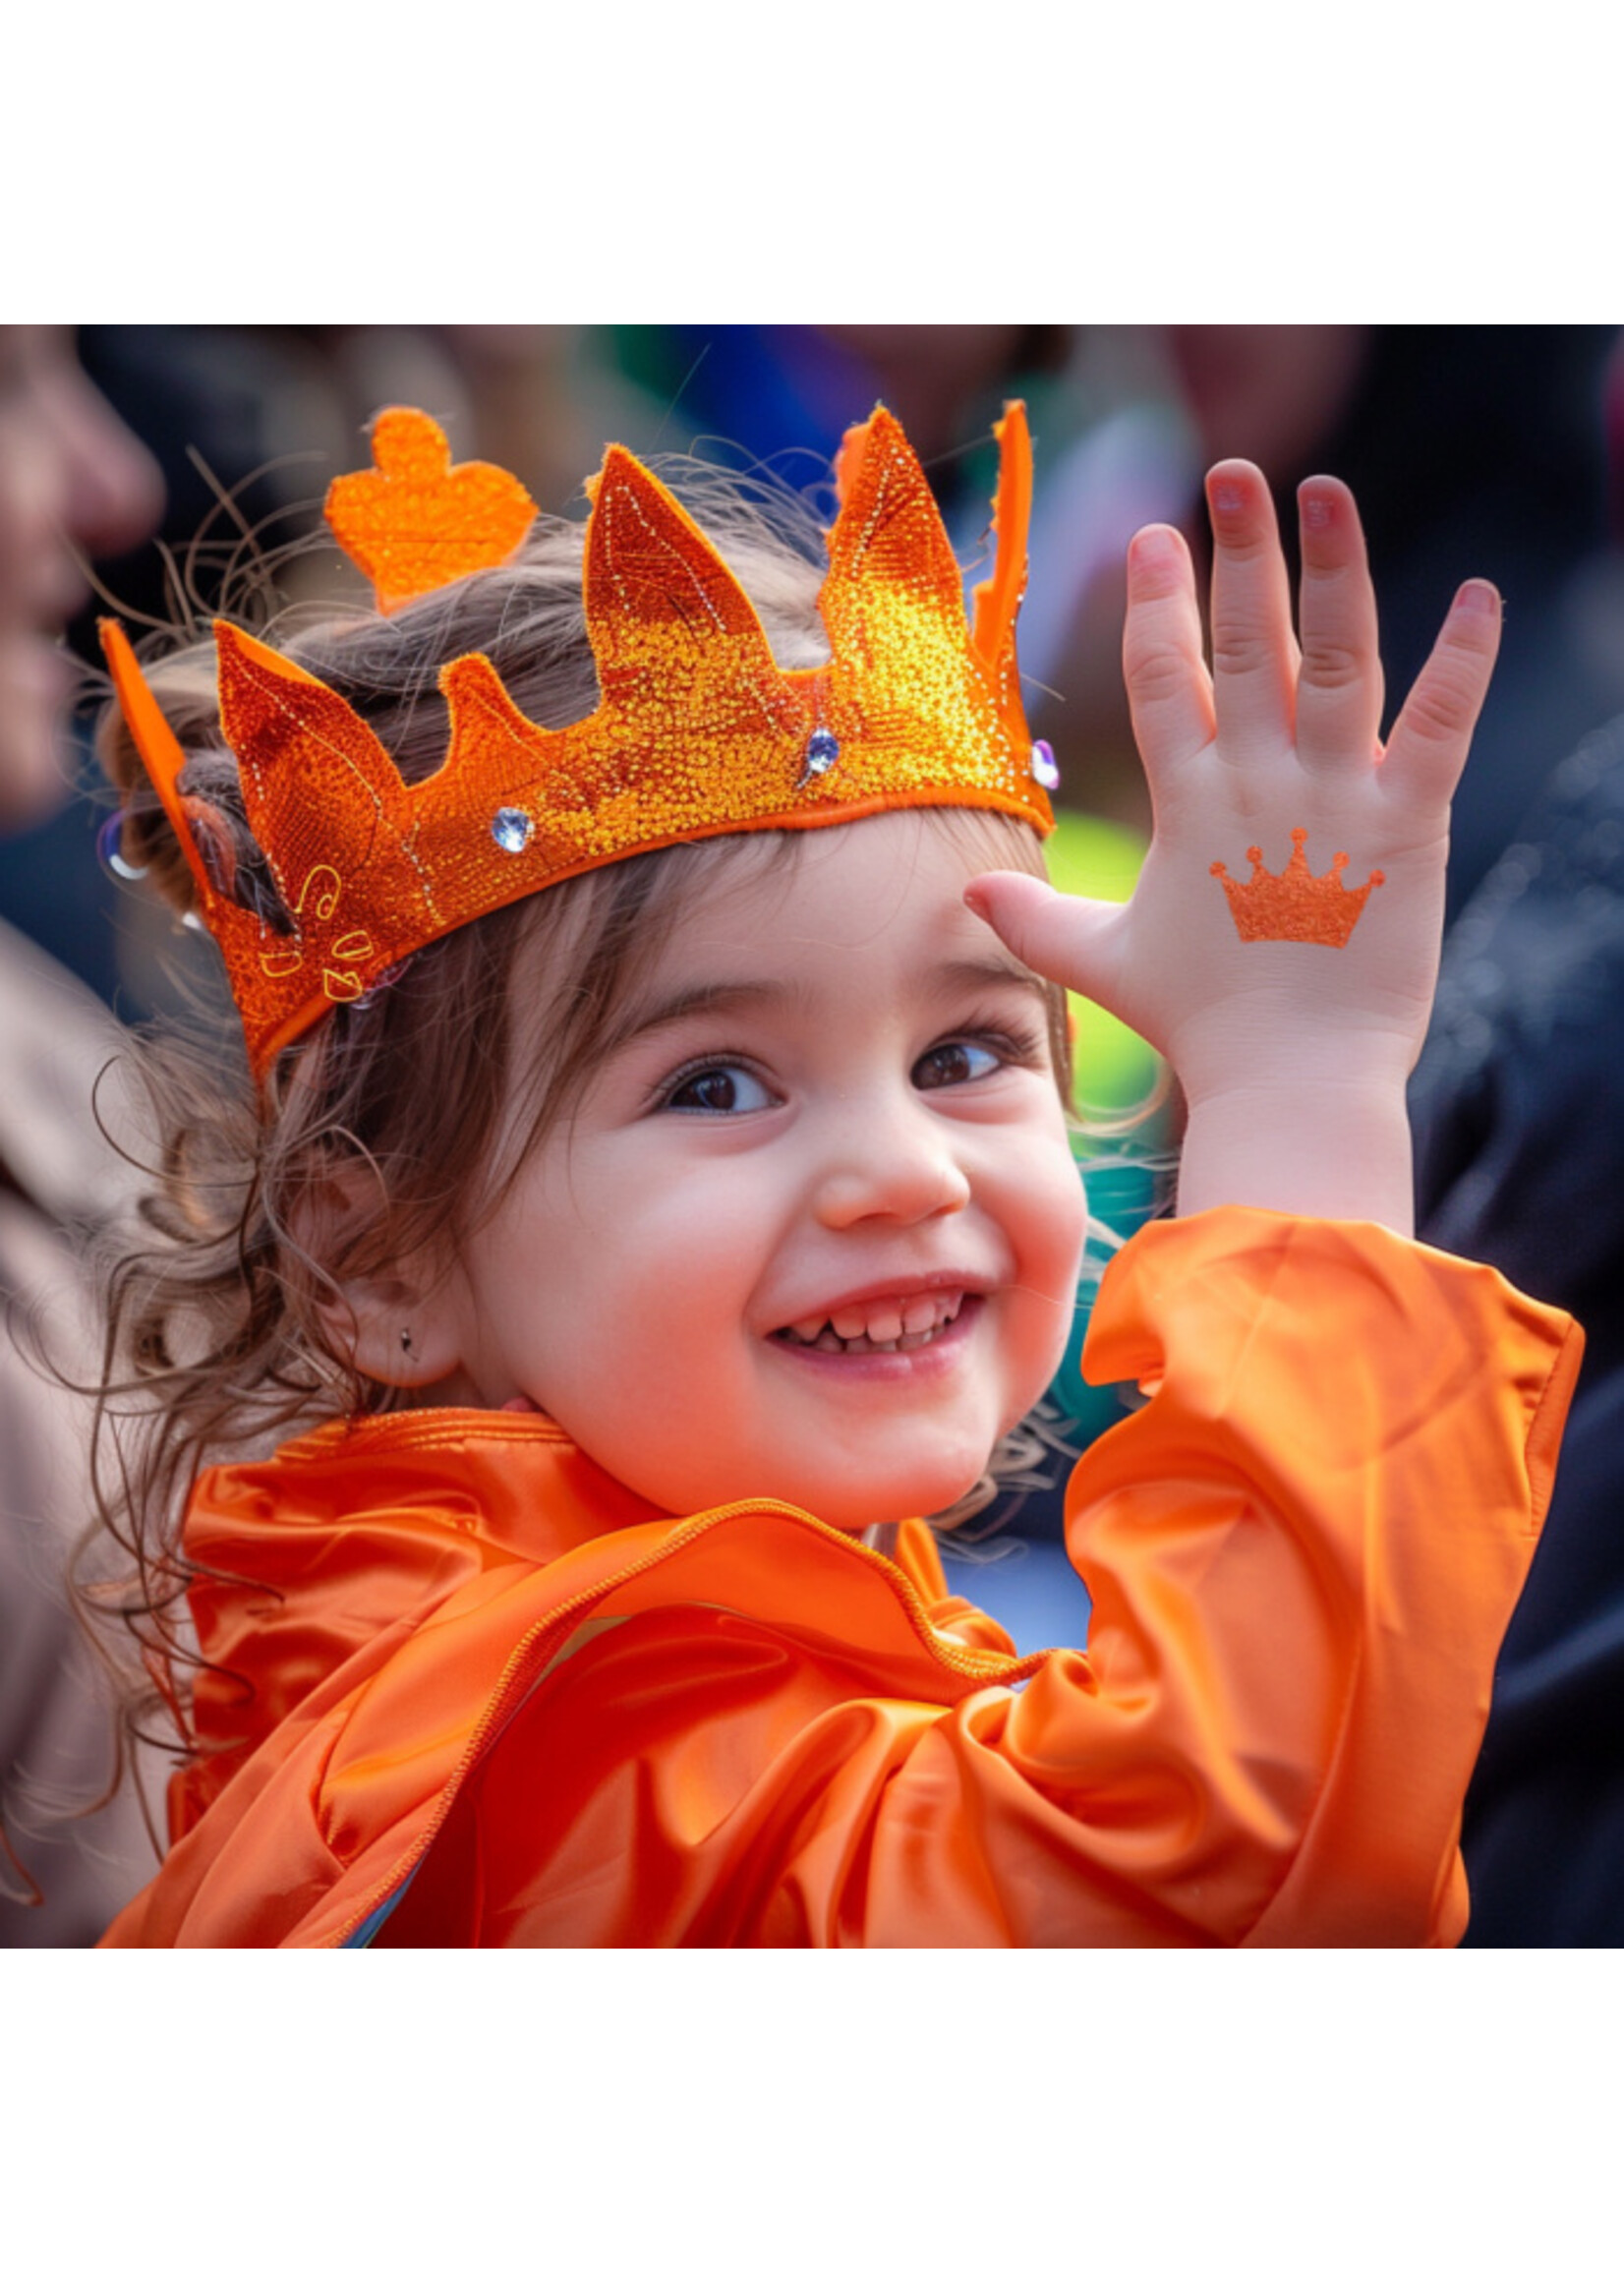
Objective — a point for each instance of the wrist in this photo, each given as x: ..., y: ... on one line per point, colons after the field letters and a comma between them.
x: 1311, y: 1145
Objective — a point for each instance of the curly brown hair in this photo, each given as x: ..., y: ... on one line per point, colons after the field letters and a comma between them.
x: 225, y: 1315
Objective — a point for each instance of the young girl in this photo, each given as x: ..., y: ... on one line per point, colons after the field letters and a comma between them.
x: 648, y: 1203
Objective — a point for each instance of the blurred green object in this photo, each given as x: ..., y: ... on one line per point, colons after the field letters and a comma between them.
x: 1115, y: 1071
x: 1121, y: 1196
x: 1100, y: 861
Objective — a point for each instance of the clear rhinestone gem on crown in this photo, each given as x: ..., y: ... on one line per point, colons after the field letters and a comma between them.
x: 1044, y: 768
x: 822, y: 750
x: 511, y: 827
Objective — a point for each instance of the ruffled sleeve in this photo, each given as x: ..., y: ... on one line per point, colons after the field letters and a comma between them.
x: 1303, y: 1554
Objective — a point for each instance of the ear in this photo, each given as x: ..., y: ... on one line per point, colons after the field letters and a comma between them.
x: 400, y: 1323
x: 400, y: 1333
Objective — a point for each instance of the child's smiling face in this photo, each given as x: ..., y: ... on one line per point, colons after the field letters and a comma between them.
x: 813, y: 1230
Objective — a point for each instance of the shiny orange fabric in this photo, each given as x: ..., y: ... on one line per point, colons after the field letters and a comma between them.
x: 490, y: 1675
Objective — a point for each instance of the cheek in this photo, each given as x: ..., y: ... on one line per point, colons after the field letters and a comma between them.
x: 1046, y: 1219
x: 643, y: 1279
x: 1047, y: 1211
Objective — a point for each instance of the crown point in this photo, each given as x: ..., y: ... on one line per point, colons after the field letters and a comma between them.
x: 659, y: 598
x: 1300, y: 836
x: 996, y: 604
x: 1254, y: 853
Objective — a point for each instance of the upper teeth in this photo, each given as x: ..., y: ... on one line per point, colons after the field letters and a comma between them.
x: 890, y: 1323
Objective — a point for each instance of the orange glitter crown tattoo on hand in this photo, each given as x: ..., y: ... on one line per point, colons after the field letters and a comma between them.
x: 1294, y: 906
x: 697, y: 733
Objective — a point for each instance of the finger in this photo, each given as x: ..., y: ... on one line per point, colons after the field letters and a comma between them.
x: 1053, y: 933
x: 1168, y: 691
x: 1253, y: 649
x: 1428, y: 746
x: 1340, y: 685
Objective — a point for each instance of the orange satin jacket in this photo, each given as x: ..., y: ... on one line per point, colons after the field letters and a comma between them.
x: 465, y: 1689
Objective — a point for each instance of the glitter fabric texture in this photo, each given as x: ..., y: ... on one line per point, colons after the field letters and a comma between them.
x: 1294, y: 906
x: 415, y: 522
x: 697, y: 733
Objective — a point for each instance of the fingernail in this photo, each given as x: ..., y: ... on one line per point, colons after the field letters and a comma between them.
x: 1154, y: 545
x: 975, y: 900
x: 1227, y: 497
x: 1479, y: 598
x: 1316, y: 509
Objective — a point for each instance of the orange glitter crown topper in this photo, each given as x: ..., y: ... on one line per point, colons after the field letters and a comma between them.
x: 697, y: 732
x: 413, y: 522
x: 1295, y: 905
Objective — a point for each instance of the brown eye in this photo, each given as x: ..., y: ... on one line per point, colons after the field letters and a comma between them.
x: 954, y: 1062
x: 719, y: 1089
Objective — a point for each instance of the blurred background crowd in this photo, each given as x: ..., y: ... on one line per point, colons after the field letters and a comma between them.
x: 1493, y: 452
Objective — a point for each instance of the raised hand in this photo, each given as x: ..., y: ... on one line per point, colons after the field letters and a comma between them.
x: 1287, y: 1047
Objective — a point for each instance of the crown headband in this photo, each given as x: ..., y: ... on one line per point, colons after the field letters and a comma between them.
x: 697, y: 732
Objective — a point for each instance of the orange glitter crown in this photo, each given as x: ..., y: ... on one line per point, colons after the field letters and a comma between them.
x: 1295, y: 905
x: 697, y: 732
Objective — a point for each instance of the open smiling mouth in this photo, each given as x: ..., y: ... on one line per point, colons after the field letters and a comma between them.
x: 892, y: 1323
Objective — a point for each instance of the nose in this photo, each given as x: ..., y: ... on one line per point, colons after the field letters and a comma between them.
x: 111, y: 491
x: 894, y: 1163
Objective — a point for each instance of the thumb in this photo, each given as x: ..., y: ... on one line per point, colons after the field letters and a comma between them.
x: 1054, y: 934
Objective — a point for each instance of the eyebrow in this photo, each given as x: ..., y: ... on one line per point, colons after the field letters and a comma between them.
x: 990, y: 971
x: 692, y: 1002
x: 724, y: 996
